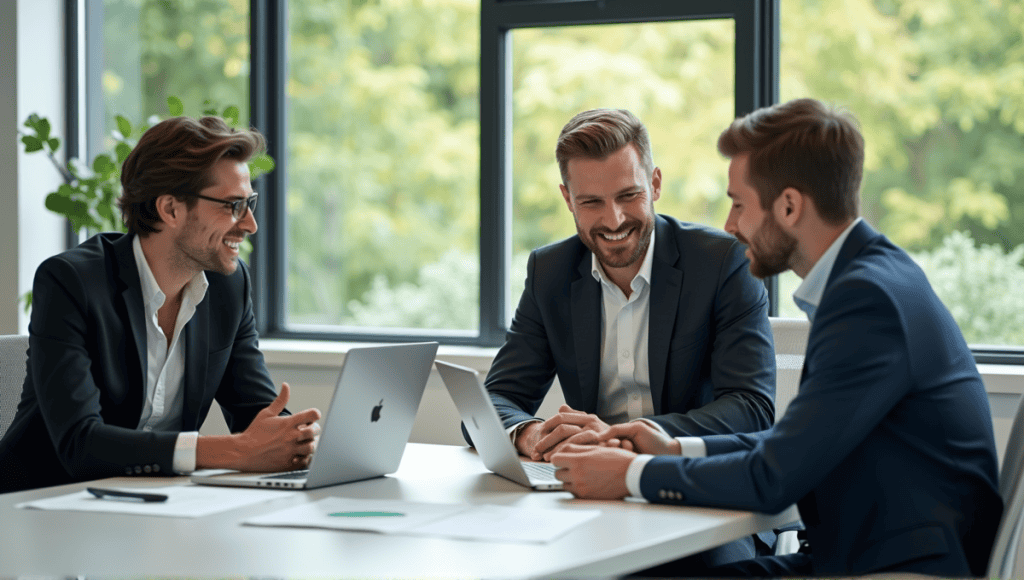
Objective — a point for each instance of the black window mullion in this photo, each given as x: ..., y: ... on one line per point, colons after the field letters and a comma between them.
x: 267, y: 82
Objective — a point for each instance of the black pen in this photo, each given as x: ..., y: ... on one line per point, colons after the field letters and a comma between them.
x: 125, y: 495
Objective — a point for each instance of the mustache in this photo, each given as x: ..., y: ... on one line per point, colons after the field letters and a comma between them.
x: 623, y: 228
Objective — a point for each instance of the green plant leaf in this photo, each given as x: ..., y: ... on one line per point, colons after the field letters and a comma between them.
x: 71, y: 208
x: 32, y: 121
x: 54, y: 144
x: 31, y: 143
x: 174, y: 106
x: 122, y: 150
x: 260, y: 164
x: 124, y: 126
x: 103, y: 165
x: 43, y: 129
x: 27, y: 299
x: 231, y: 114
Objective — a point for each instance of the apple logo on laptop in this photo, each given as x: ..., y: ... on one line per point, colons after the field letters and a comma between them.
x: 375, y: 415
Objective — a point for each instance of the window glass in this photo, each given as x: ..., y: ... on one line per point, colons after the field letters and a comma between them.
x: 936, y: 86
x: 677, y: 77
x: 383, y: 165
x: 195, y: 50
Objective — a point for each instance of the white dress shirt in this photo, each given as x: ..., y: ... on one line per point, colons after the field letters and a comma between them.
x: 624, y: 387
x: 165, y: 364
x: 807, y: 297
x: 624, y: 382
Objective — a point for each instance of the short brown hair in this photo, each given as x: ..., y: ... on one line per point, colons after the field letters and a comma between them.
x: 803, y: 144
x: 598, y: 133
x: 175, y: 157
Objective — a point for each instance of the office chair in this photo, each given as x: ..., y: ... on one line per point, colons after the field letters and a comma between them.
x: 13, y: 361
x: 1003, y: 562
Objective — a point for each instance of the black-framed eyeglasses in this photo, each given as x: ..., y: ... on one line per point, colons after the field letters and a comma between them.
x: 237, y: 206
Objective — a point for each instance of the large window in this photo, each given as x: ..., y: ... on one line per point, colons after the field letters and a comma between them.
x: 936, y: 86
x: 415, y: 138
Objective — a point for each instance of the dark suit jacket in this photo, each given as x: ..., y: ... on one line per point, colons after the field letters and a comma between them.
x: 711, y: 356
x: 83, y: 395
x: 888, y: 445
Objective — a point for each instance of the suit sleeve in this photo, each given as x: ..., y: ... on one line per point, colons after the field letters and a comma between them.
x: 524, y: 368
x: 246, y: 387
x: 70, y: 401
x: 857, y: 371
x: 742, y: 359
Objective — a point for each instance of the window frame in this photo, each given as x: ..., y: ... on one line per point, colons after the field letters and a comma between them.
x: 756, y: 71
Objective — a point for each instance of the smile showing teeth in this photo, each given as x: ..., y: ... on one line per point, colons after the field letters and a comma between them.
x: 232, y: 245
x: 615, y: 238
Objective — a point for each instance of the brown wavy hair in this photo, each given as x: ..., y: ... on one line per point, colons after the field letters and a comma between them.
x: 597, y: 133
x: 175, y: 157
x: 803, y: 144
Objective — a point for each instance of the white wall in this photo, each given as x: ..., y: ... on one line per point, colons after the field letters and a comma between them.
x: 31, y: 81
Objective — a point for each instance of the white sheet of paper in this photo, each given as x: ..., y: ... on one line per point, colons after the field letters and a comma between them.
x: 494, y: 523
x: 462, y: 521
x: 183, y: 501
x: 338, y: 513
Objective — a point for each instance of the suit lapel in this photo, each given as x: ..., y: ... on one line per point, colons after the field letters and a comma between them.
x: 586, y: 328
x: 197, y: 342
x: 131, y: 293
x: 666, y: 282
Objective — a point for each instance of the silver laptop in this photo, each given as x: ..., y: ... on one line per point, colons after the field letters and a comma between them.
x: 367, y: 425
x: 488, y: 435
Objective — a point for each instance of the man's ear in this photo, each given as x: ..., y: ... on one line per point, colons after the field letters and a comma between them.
x: 656, y: 184
x: 789, y: 207
x: 566, y: 196
x: 171, y: 211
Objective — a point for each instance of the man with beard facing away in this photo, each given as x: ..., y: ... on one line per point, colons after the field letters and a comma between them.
x: 887, y: 448
x: 133, y: 336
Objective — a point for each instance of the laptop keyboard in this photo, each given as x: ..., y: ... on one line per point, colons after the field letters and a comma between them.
x: 300, y: 474
x: 540, y: 471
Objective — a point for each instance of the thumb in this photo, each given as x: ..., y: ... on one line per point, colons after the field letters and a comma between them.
x: 274, y: 409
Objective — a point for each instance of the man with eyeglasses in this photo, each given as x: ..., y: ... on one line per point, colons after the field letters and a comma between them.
x: 133, y: 336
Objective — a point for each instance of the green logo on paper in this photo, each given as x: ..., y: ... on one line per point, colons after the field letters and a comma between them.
x: 365, y: 514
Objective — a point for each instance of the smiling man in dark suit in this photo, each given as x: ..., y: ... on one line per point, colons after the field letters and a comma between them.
x: 887, y: 448
x: 133, y: 336
x: 640, y: 316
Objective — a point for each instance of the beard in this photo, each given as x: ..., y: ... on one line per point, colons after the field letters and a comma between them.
x: 624, y: 256
x: 196, y: 256
x: 771, y: 249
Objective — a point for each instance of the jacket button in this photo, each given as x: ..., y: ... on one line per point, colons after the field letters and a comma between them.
x: 138, y: 470
x: 662, y: 493
x: 127, y: 470
x: 156, y: 469
x: 147, y: 469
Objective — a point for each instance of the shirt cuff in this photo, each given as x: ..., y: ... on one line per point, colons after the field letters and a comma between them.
x: 633, y: 473
x: 514, y: 430
x: 184, y: 461
x: 692, y: 447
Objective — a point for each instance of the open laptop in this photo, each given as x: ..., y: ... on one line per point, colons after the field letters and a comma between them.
x: 488, y: 435
x: 367, y: 425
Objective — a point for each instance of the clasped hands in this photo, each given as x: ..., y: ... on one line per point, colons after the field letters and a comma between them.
x: 591, y: 456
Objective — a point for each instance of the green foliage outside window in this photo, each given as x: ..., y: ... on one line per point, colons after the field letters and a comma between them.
x: 383, y: 143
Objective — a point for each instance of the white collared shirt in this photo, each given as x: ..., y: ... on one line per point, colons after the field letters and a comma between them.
x: 164, y: 402
x: 807, y: 297
x: 624, y: 387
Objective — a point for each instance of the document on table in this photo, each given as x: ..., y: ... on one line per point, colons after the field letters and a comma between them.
x: 462, y: 521
x: 183, y: 501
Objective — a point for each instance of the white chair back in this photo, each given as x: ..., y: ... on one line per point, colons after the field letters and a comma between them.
x: 13, y: 366
x: 1003, y: 563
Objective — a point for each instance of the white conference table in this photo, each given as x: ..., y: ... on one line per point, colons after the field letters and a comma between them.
x: 626, y: 537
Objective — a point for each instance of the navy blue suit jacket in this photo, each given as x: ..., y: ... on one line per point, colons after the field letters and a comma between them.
x: 888, y: 445
x: 711, y: 355
x: 83, y: 396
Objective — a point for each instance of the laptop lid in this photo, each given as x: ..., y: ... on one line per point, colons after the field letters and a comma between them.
x: 371, y: 414
x: 484, y: 426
